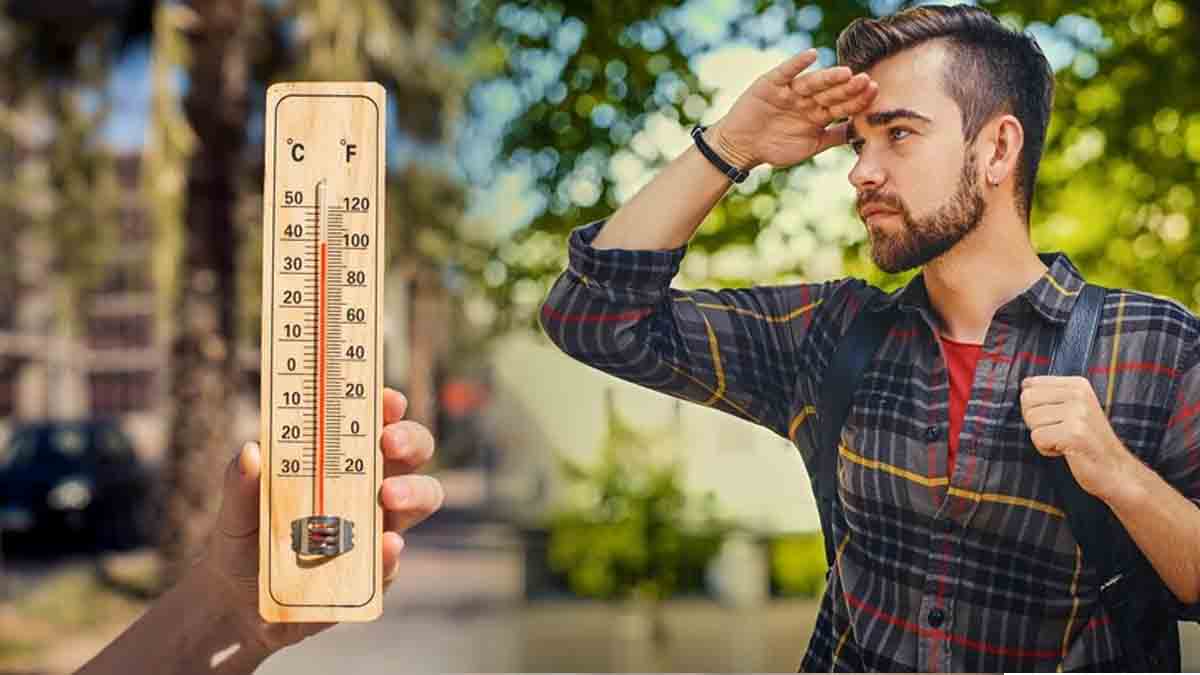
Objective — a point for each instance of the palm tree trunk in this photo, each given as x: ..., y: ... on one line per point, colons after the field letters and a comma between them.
x: 203, y: 375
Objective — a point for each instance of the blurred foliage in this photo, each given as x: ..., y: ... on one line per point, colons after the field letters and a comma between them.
x: 798, y: 565
x: 401, y: 45
x: 578, y: 87
x: 57, y: 182
x: 52, y: 107
x: 211, y: 63
x: 1117, y: 189
x: 170, y: 144
x: 630, y: 531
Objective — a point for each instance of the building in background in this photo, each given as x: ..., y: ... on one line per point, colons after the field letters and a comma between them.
x: 108, y: 360
x: 112, y: 360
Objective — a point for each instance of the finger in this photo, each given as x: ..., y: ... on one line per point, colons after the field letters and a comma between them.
x: 842, y: 92
x: 406, y: 446
x: 786, y: 71
x: 1033, y: 397
x: 393, y: 544
x: 408, y: 500
x: 1046, y: 440
x: 1045, y: 415
x: 1076, y: 389
x: 238, y: 516
x: 395, y: 405
x: 1052, y: 381
x: 826, y: 106
x: 810, y: 83
x: 857, y: 104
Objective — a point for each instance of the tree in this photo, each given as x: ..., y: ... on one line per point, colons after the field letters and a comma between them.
x: 399, y: 45
x: 234, y: 50
x: 203, y: 347
x: 203, y: 173
x: 59, y: 193
x: 585, y: 81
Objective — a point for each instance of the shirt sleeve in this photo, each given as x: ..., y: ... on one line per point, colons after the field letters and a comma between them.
x: 1178, y: 460
x: 739, y: 351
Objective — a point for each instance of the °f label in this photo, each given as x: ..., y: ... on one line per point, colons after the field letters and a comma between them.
x: 323, y: 259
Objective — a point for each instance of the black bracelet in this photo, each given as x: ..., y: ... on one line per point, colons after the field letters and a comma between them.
x: 735, y: 174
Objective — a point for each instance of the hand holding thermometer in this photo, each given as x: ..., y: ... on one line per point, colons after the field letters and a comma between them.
x: 320, y: 524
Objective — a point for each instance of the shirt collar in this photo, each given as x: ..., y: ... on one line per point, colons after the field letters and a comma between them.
x: 1052, y: 296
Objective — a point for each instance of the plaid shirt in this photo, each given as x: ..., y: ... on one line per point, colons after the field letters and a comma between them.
x: 969, y: 570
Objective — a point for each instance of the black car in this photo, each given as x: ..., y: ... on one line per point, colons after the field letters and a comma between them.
x: 77, y: 484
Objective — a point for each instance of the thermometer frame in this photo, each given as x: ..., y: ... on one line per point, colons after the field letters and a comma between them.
x: 320, y: 550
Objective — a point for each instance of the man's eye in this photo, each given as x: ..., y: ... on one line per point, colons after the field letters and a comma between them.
x: 898, y: 133
x: 856, y: 146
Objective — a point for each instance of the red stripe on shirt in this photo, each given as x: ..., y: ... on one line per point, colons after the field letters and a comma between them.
x: 632, y: 315
x: 976, y: 645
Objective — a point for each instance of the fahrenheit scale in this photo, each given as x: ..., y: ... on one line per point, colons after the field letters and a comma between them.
x: 322, y: 410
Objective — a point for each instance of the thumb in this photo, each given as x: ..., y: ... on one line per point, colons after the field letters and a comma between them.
x: 239, y: 495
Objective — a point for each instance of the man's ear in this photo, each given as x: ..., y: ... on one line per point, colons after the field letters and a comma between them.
x: 1006, y: 138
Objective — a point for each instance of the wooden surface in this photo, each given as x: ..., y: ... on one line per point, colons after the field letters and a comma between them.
x: 322, y: 140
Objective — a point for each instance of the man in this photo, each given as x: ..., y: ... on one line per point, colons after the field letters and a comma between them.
x: 209, y: 622
x: 951, y: 553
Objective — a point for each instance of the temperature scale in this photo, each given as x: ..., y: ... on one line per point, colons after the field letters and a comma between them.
x: 322, y: 409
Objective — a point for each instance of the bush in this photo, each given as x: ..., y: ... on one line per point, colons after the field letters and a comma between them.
x: 630, y: 530
x: 798, y: 565
x: 635, y: 542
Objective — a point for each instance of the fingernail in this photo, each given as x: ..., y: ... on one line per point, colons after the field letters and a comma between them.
x: 243, y: 455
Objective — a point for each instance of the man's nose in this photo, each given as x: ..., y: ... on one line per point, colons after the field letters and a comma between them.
x: 867, y: 175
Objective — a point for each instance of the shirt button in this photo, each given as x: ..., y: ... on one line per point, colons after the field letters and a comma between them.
x: 936, y: 617
x: 933, y: 433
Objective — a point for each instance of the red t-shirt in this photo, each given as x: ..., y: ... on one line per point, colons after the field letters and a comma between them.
x: 961, y: 358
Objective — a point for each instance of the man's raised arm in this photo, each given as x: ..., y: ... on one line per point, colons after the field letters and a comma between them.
x: 735, y: 350
x: 782, y: 119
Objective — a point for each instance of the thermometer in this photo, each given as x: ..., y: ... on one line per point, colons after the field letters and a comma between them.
x: 322, y: 409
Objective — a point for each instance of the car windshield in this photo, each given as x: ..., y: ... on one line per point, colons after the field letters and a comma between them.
x: 65, y: 443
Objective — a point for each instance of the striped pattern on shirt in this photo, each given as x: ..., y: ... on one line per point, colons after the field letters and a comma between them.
x: 974, y: 570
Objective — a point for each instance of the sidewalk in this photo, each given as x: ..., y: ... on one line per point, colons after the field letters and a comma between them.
x: 461, y: 610
x: 466, y: 615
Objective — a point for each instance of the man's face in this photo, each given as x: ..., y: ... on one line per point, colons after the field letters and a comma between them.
x: 917, y: 183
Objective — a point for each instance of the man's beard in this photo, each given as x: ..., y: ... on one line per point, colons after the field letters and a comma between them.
x: 921, y: 241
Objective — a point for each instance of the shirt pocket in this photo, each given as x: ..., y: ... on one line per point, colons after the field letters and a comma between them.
x: 880, y: 466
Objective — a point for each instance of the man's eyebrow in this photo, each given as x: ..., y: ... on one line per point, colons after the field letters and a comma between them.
x: 882, y: 117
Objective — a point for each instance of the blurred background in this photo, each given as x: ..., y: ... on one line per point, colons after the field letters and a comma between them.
x: 589, y: 525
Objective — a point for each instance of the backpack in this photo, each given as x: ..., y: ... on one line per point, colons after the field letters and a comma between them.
x: 1139, y: 604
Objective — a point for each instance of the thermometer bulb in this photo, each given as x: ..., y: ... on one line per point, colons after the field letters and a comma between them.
x: 322, y: 536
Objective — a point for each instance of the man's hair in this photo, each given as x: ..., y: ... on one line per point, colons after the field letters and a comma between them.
x: 991, y: 70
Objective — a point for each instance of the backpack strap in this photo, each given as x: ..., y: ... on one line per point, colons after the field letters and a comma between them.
x: 1130, y: 588
x: 1091, y: 526
x: 845, y: 370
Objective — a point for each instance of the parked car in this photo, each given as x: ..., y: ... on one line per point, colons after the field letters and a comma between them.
x: 80, y: 481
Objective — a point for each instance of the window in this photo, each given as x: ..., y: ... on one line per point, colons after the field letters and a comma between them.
x: 117, y: 393
x: 120, y: 332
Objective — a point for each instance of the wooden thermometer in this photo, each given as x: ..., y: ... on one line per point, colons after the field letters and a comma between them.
x: 322, y: 367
